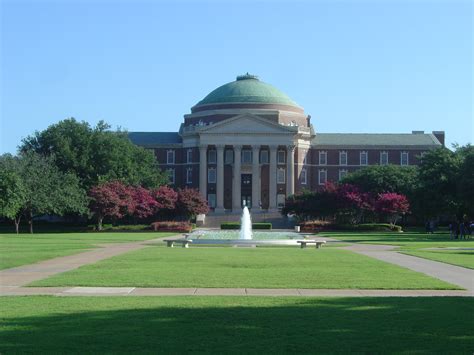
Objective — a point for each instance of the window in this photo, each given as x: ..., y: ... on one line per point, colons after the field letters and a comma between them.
x: 404, y: 158
x: 305, y: 157
x: 246, y: 156
x: 343, y: 158
x: 383, y: 158
x: 170, y: 157
x: 229, y: 156
x: 303, y: 176
x: 342, y: 174
x: 281, y: 157
x: 323, y: 158
x: 363, y: 158
x: 264, y: 157
x: 189, y: 156
x: 211, y: 157
x: 171, y: 175
x: 281, y: 176
x: 211, y: 175
x: 322, y: 176
x: 281, y: 200
x: 211, y: 200
x: 189, y: 176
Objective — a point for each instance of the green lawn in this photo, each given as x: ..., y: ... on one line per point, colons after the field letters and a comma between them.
x: 463, y: 258
x: 23, y: 249
x: 413, y: 243
x: 245, y: 268
x: 260, y: 325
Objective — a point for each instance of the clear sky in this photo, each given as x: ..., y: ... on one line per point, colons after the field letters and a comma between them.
x: 355, y: 66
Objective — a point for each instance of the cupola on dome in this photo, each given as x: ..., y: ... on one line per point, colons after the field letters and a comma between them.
x: 247, y: 89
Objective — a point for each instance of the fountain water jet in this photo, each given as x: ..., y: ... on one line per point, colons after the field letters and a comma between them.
x: 246, y: 225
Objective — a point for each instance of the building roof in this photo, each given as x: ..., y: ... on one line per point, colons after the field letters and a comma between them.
x: 375, y: 139
x: 154, y: 138
x: 247, y: 89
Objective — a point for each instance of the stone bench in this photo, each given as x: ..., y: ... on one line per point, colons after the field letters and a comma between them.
x: 171, y: 242
x: 318, y: 243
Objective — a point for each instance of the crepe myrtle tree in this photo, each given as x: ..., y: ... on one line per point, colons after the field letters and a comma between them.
x: 391, y: 205
x: 191, y: 203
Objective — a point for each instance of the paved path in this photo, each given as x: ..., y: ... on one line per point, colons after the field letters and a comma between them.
x: 22, y: 275
x: 455, y: 275
x: 136, y: 291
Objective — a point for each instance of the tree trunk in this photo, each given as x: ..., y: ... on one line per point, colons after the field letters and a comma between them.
x: 17, y: 224
x: 99, y: 223
x: 30, y: 222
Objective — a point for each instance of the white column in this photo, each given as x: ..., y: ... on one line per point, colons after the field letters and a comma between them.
x: 236, y: 195
x: 273, y: 178
x: 256, y: 186
x: 220, y: 179
x: 203, y: 170
x: 290, y: 170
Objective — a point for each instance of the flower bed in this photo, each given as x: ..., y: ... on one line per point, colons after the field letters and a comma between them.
x: 170, y: 226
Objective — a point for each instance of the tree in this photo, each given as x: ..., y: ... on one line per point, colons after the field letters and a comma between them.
x: 165, y: 197
x: 112, y: 199
x: 191, y: 203
x: 392, y: 205
x: 351, y: 202
x: 45, y: 189
x: 12, y: 195
x: 143, y: 201
x: 96, y: 154
x: 384, y: 178
x: 465, y: 190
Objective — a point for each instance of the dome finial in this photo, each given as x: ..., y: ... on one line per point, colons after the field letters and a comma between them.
x: 247, y: 77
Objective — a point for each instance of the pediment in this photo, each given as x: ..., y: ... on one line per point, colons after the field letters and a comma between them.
x: 248, y: 124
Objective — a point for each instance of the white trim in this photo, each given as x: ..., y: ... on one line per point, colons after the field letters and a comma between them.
x: 189, y: 179
x: 172, y: 175
x: 284, y: 176
x: 341, y: 154
x: 381, y: 154
x: 188, y: 160
x: 168, y: 157
x: 366, y: 157
x: 278, y: 156
x: 401, y: 158
x: 304, y: 181
x: 325, y: 154
x: 325, y: 176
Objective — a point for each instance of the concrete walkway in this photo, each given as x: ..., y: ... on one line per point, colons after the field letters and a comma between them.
x: 452, y: 274
x: 136, y: 291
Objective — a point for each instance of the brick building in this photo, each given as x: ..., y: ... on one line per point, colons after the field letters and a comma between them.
x: 249, y: 143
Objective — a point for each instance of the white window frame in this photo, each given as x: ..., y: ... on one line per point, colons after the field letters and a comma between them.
x: 168, y: 156
x: 189, y: 156
x: 209, y: 180
x: 407, y: 158
x: 172, y: 175
x: 279, y: 180
x: 189, y: 175
x: 341, y: 173
x: 342, y: 153
x: 212, y: 153
x: 322, y: 172
x: 321, y: 155
x: 281, y: 157
x: 248, y: 153
x: 366, y: 153
x: 381, y: 155
x: 263, y: 153
x: 212, y: 201
x: 304, y: 176
x: 228, y: 153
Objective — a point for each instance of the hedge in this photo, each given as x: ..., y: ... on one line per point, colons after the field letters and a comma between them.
x: 312, y: 226
x: 182, y: 227
x: 236, y: 225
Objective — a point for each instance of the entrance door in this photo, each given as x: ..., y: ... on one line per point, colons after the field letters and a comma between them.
x: 246, y: 190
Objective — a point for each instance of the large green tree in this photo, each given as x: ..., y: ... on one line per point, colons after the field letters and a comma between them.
x: 12, y: 195
x: 44, y: 188
x: 96, y: 154
x: 385, y: 178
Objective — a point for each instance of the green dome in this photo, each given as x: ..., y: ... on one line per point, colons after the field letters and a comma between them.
x: 247, y: 89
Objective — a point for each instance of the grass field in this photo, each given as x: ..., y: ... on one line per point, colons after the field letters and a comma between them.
x: 245, y: 268
x: 413, y: 243
x: 23, y: 249
x: 42, y: 324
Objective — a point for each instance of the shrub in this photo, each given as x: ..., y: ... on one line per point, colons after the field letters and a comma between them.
x: 312, y: 226
x: 371, y: 227
x: 236, y: 225
x: 170, y: 226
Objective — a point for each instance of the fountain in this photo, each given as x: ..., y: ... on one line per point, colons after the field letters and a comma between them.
x: 245, y: 225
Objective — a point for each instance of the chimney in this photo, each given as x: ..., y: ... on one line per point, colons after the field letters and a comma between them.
x: 440, y: 136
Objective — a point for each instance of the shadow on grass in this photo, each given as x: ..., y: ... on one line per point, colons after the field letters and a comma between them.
x: 239, y: 325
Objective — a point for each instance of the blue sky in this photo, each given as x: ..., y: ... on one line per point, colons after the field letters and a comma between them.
x: 355, y: 66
